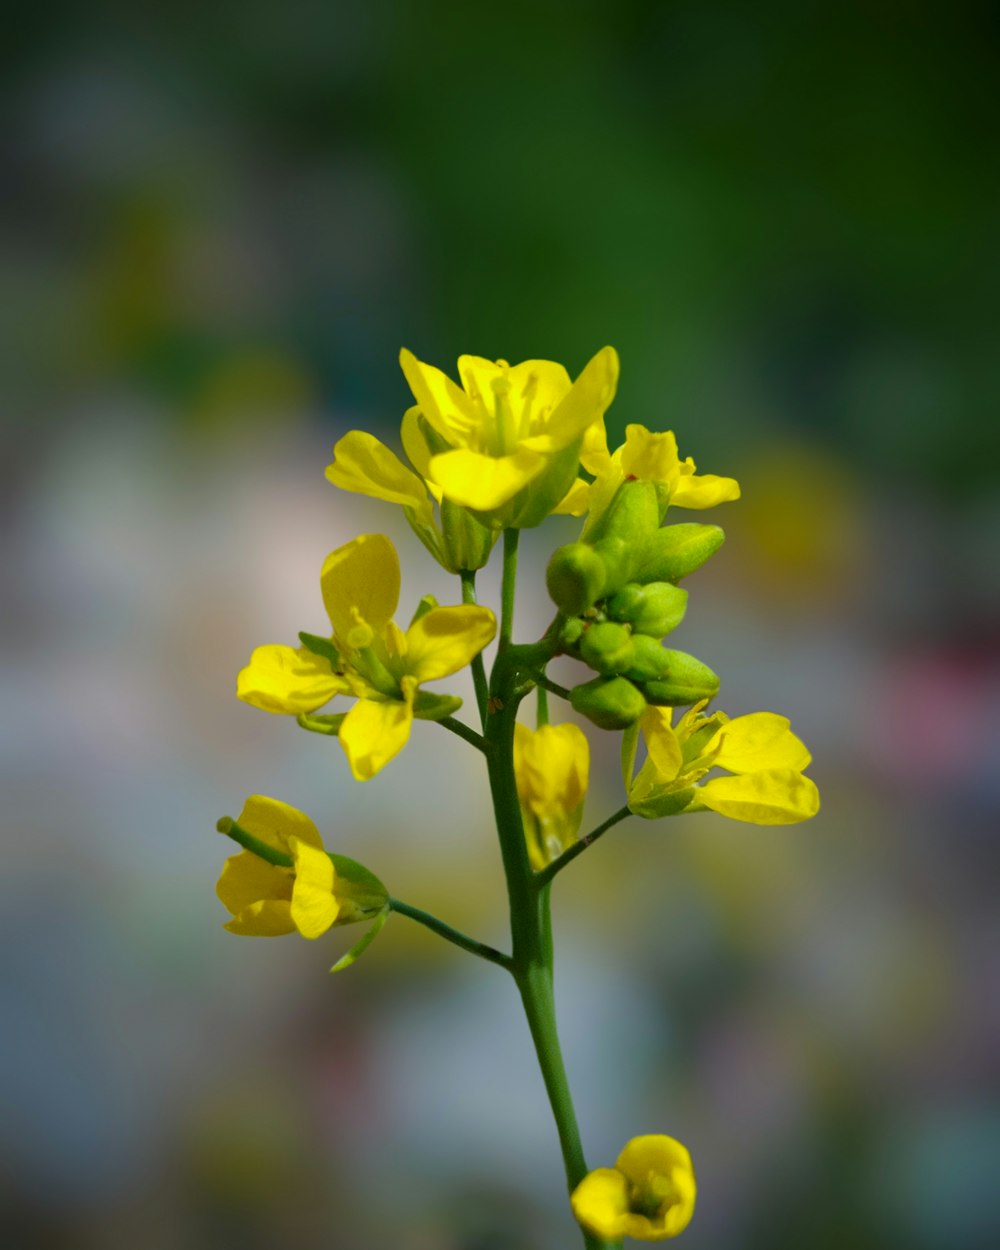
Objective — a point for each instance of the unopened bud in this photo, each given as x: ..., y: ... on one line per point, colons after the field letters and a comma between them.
x: 676, y: 550
x: 655, y: 609
x: 686, y: 681
x: 607, y: 647
x: 618, y: 558
x: 650, y: 661
x: 575, y: 578
x: 609, y: 702
x: 570, y: 633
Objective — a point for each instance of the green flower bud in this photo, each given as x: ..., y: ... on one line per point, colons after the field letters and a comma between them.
x: 618, y: 558
x: 650, y: 661
x: 675, y: 551
x: 655, y: 609
x: 570, y: 633
x: 607, y: 647
x: 466, y: 543
x: 609, y: 702
x: 633, y: 512
x: 575, y: 578
x: 686, y: 681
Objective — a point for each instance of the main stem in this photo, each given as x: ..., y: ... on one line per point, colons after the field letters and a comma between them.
x: 530, y: 917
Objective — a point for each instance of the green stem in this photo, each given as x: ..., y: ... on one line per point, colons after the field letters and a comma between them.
x: 542, y: 710
x: 463, y: 731
x: 478, y: 667
x: 545, y: 683
x: 530, y: 924
x: 231, y: 829
x: 454, y: 936
x: 545, y: 876
x: 508, y: 585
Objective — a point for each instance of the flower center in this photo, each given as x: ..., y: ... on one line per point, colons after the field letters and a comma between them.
x: 654, y: 1197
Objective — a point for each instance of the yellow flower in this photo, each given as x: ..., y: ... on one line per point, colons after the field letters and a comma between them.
x: 506, y: 426
x: 370, y: 656
x: 551, y: 766
x: 649, y: 1194
x: 768, y: 760
x: 310, y: 897
x: 649, y: 457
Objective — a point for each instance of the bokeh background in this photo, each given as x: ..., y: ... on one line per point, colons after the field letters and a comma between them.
x: 220, y: 224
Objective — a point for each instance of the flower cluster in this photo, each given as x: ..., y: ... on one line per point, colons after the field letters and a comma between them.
x: 501, y: 451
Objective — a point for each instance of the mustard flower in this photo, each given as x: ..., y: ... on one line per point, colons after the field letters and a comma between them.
x: 649, y: 1194
x: 766, y: 758
x: 266, y: 900
x: 369, y: 656
x: 551, y: 766
x: 646, y: 457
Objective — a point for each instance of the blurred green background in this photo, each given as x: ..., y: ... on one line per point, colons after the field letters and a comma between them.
x: 221, y: 223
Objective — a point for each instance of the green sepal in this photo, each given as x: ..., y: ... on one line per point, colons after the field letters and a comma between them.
x: 366, y: 891
x: 328, y: 723
x: 427, y: 706
x: 426, y: 604
x: 535, y: 502
x: 466, y: 542
x: 359, y: 947
x: 320, y: 646
x: 660, y: 803
x: 632, y: 514
x: 673, y: 552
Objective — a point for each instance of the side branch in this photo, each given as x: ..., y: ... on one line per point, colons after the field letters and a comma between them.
x: 545, y: 876
x: 462, y: 730
x: 451, y: 935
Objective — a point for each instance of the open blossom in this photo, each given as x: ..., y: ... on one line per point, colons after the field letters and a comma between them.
x: 551, y: 766
x: 310, y: 897
x: 649, y: 1194
x: 369, y: 656
x: 481, y: 445
x: 768, y: 786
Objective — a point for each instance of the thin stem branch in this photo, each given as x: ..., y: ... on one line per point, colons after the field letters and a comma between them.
x: 542, y: 708
x: 546, y: 683
x: 454, y: 936
x: 478, y: 667
x: 463, y: 731
x: 545, y: 876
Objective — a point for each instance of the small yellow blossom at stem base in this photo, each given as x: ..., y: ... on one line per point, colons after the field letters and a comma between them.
x: 551, y: 766
x: 649, y: 1194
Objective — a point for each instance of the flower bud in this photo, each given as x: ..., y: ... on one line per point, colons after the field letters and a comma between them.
x: 570, y: 633
x: 618, y: 558
x: 673, y: 552
x: 655, y: 609
x: 575, y: 578
x: 632, y: 513
x: 650, y: 661
x: 686, y: 681
x: 609, y: 702
x: 607, y: 647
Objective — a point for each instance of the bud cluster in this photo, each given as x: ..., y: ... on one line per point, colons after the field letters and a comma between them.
x: 618, y: 591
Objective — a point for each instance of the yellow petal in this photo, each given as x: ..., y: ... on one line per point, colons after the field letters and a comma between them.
x: 662, y: 743
x: 484, y: 482
x: 537, y: 388
x: 446, y: 406
x: 552, y: 766
x: 268, y: 918
x: 776, y: 796
x: 652, y: 1154
x: 291, y: 680
x: 477, y: 373
x: 594, y: 454
x: 364, y: 465
x: 576, y: 501
x: 703, y: 492
x: 276, y: 823
x: 415, y: 446
x: 361, y: 579
x: 314, y: 906
x: 650, y: 457
x: 446, y: 639
x: 761, y: 740
x: 600, y: 1203
x: 373, y: 733
x: 589, y: 398
x: 247, y: 879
